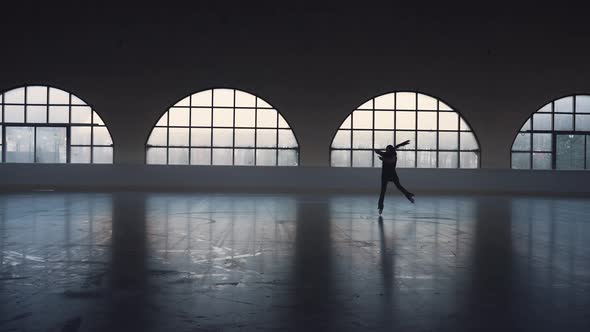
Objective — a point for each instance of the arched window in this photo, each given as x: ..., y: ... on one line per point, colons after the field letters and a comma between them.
x: 439, y: 136
x: 557, y: 136
x: 222, y: 127
x: 42, y: 124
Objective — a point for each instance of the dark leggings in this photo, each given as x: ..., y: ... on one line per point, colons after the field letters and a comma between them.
x: 395, y: 179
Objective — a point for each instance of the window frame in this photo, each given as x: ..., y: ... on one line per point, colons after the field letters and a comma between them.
x: 415, y: 131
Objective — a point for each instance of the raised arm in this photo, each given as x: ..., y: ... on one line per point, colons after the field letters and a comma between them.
x: 404, y: 143
x: 379, y: 152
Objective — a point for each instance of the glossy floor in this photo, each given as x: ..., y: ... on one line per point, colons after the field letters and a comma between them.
x: 212, y: 262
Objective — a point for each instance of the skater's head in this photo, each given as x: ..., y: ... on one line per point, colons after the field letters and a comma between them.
x: 389, y: 148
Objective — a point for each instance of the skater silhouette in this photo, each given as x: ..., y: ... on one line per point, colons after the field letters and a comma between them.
x: 388, y: 173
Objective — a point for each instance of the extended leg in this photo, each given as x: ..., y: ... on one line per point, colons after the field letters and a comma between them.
x: 382, y: 195
x: 399, y: 186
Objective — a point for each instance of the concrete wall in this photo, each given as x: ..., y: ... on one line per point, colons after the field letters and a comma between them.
x: 289, y: 179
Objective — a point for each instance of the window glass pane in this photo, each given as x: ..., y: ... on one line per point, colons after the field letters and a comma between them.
x: 522, y: 142
x: 245, y: 117
x: 80, y: 154
x: 163, y: 121
x: 564, y: 105
x: 405, y: 120
x: 288, y: 158
x: 526, y: 126
x: 582, y: 104
x: 340, y: 158
x: 405, y: 101
x: 37, y: 95
x: 222, y: 138
x: 384, y: 119
x: 427, y: 120
x: 266, y: 157
x: 448, y: 159
x: 178, y: 137
x: 51, y: 145
x: 266, y: 118
x: 521, y: 160
x: 76, y: 101
x: 15, y: 96
x: 366, y: 106
x: 81, y: 114
x: 178, y: 156
x: 542, y: 142
x: 541, y: 160
x: 443, y: 107
x: 362, y: 139
x: 266, y: 138
x: 80, y: 135
x: 383, y: 139
x: 184, y: 102
x: 97, y: 119
x: 20, y: 144
x: 101, y: 136
x: 426, y: 159
x: 402, y: 136
x: 244, y: 157
x: 158, y: 137
x: 262, y: 104
x: 362, y: 120
x: 450, y: 121
x: 204, y: 98
x: 14, y: 113
x: 59, y: 114
x: 468, y: 159
x: 448, y: 141
x: 468, y: 141
x: 245, y: 138
x: 178, y: 116
x: 156, y: 156
x: 200, y: 117
x: 223, y: 117
x: 406, y: 159
x: 223, y: 97
x: 222, y: 156
x: 342, y: 139
x: 282, y: 122
x: 583, y: 122
x: 347, y: 122
x: 201, y: 137
x: 564, y: 122
x: 200, y: 156
x: 58, y: 97
x: 569, y: 152
x: 385, y: 102
x: 541, y: 121
x: 426, y: 140
x: 362, y: 158
x: 36, y: 114
x: 102, y: 155
x: 244, y: 99
x: 546, y: 109
x: 426, y: 102
x: 287, y: 139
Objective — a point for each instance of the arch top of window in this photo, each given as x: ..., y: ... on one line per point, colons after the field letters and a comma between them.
x: 222, y: 126
x: 439, y: 136
x: 45, y: 124
x: 556, y: 136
